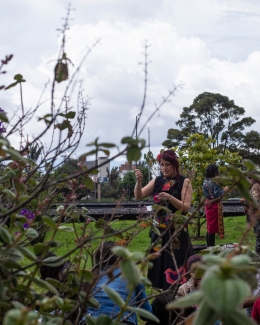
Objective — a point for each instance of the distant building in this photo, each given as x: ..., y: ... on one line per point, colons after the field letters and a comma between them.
x: 102, y: 174
x: 126, y: 168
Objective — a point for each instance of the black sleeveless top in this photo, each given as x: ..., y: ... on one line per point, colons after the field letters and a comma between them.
x: 175, y: 190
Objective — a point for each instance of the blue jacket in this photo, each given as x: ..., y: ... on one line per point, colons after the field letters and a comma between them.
x: 107, y: 307
x: 211, y: 190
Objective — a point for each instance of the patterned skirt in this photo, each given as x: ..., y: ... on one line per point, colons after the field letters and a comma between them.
x: 214, y: 217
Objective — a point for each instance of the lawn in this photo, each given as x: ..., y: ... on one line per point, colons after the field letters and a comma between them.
x: 234, y: 228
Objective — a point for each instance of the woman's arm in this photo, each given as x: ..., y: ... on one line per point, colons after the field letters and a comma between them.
x: 186, y: 196
x: 139, y: 192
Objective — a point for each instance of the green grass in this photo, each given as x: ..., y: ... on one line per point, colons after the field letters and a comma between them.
x: 234, y: 228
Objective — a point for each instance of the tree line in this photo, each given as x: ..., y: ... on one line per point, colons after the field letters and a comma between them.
x: 217, y: 117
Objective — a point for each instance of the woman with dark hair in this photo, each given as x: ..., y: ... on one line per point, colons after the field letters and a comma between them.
x: 173, y: 191
x: 110, y: 275
x: 213, y: 206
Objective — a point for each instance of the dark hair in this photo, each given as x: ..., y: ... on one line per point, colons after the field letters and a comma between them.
x: 50, y: 271
x: 193, y: 259
x: 211, y: 171
x: 159, y: 303
x: 165, y: 316
x: 104, y: 256
x: 171, y: 157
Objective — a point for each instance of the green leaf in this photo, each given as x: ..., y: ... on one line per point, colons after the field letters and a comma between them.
x: 53, y: 261
x: 93, y: 172
x: 16, y: 155
x: 107, y: 145
x: 3, y: 117
x: 213, y: 259
x: 9, y: 193
x: 249, y: 164
x: 60, y: 302
x: 244, y: 193
x: 45, y: 285
x: 137, y: 256
x: 10, y: 263
x: 128, y: 140
x: 194, y: 298
x: 11, y: 85
x: 121, y: 252
x: 240, y: 260
x: 155, y: 230
x: 205, y: 315
x: 133, y: 153
x: 13, y: 317
x: 131, y: 272
x: 104, y: 320
x: 49, y: 222
x: 39, y: 248
x: 63, y: 125
x: 233, y: 291
x: 86, y: 275
x: 106, y: 152
x: 141, y: 142
x: 93, y: 302
x: 27, y: 253
x: 89, y: 183
x: 57, y: 284
x: 66, y: 228
x: 70, y: 115
x: 101, y: 224
x: 91, y: 320
x: 32, y: 233
x: 143, y: 313
x: 18, y: 77
x: 5, y: 236
x: 114, y: 296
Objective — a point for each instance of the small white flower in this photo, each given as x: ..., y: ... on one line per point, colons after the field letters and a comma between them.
x: 60, y: 209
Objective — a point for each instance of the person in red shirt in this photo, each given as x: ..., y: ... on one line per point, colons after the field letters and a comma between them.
x: 255, y: 315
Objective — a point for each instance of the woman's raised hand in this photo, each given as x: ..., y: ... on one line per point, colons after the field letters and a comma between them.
x: 138, y: 175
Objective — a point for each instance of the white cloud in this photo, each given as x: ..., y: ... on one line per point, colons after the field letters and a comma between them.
x: 206, y: 45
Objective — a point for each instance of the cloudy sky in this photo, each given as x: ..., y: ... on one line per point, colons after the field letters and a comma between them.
x: 205, y: 45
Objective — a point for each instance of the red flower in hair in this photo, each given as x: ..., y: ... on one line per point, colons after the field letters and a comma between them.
x: 159, y: 157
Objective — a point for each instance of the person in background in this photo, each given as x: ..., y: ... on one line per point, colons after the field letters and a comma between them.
x: 193, y: 283
x: 213, y: 206
x: 255, y: 314
x: 254, y: 212
x: 159, y: 303
x: 110, y: 275
x: 54, y: 272
x: 173, y: 191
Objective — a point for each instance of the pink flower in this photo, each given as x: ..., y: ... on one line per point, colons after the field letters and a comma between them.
x: 166, y: 187
x: 156, y: 199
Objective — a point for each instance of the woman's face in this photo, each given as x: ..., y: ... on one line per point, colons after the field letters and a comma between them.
x: 167, y: 168
x: 252, y: 181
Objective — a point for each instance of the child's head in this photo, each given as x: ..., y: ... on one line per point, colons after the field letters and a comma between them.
x: 50, y: 271
x: 193, y: 261
x: 104, y: 255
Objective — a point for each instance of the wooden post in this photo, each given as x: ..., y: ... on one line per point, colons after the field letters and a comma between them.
x: 99, y: 192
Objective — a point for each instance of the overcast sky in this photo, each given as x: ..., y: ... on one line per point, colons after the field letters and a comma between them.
x: 205, y: 45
